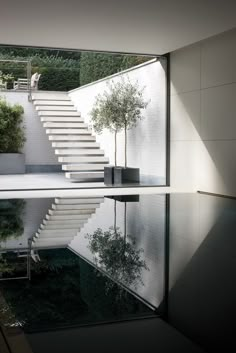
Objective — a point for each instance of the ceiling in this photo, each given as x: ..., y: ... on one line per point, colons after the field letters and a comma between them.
x: 150, y: 26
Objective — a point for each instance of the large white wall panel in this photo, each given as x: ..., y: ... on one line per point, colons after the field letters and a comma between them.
x: 203, y: 120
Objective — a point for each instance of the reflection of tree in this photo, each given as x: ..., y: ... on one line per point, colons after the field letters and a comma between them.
x: 116, y: 256
x: 11, y: 224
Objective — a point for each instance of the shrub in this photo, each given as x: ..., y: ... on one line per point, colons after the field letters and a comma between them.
x: 95, y: 66
x: 11, y: 224
x: 11, y: 129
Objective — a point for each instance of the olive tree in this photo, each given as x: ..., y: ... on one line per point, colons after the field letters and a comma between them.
x: 118, y: 108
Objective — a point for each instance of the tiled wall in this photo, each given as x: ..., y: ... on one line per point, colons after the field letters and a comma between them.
x: 203, y: 115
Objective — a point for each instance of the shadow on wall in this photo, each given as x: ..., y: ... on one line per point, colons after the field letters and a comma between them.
x: 202, y: 114
x: 202, y: 302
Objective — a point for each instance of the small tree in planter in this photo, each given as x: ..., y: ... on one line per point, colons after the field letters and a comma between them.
x: 6, y: 79
x: 118, y: 109
x: 12, y: 138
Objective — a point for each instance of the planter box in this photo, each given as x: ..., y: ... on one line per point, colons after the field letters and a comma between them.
x: 12, y: 163
x: 126, y: 175
x: 124, y: 198
x: 109, y: 175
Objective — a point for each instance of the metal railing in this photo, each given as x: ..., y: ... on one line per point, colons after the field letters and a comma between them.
x: 27, y: 80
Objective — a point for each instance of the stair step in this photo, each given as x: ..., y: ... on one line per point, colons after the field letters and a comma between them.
x: 48, y: 246
x: 58, y: 212
x: 75, y: 144
x: 81, y: 151
x: 83, y: 159
x: 56, y: 113
x: 76, y: 138
x: 88, y: 208
x: 63, y: 223
x: 65, y: 125
x: 60, y: 233
x: 63, y: 217
x: 53, y: 241
x: 50, y: 96
x: 83, y: 167
x: 66, y: 119
x: 62, y: 226
x: 86, y: 159
x: 69, y: 131
x: 62, y: 103
x: 72, y: 201
x: 56, y: 107
x: 84, y: 175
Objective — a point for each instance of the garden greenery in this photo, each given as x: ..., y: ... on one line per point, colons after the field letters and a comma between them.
x: 118, y: 108
x: 11, y: 127
x: 11, y: 223
x: 116, y: 256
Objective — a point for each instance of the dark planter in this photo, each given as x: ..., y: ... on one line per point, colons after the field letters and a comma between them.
x: 124, y: 198
x: 12, y: 163
x: 109, y: 175
x: 126, y: 175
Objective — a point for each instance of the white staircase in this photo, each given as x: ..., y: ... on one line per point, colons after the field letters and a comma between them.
x: 76, y: 147
x: 63, y: 221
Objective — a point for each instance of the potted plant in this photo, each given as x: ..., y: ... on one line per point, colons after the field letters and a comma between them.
x: 119, y: 109
x: 12, y: 138
x: 6, y: 80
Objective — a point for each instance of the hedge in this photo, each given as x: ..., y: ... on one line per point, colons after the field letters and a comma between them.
x: 57, y: 73
x: 94, y: 66
x: 11, y: 129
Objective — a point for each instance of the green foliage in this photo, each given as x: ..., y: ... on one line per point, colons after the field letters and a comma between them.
x: 95, y: 66
x: 118, y: 108
x: 60, y: 72
x: 6, y: 77
x: 58, y: 79
x: 11, y: 224
x: 11, y: 128
x: 117, y: 257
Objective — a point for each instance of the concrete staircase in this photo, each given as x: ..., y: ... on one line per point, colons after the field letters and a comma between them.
x: 76, y: 147
x: 64, y: 220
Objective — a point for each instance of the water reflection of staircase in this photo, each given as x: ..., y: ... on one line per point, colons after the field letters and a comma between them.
x: 74, y: 144
x: 64, y: 220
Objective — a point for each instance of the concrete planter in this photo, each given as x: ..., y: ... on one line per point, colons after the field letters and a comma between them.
x: 126, y: 175
x: 12, y: 163
x: 109, y: 175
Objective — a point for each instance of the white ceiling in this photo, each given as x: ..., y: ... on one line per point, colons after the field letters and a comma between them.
x: 150, y: 26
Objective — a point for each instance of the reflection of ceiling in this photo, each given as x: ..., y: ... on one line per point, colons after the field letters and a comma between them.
x: 149, y: 26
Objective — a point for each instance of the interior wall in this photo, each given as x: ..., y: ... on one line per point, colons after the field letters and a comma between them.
x: 203, y: 124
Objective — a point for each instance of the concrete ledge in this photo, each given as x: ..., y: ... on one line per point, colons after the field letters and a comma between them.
x: 43, y: 168
x: 12, y: 163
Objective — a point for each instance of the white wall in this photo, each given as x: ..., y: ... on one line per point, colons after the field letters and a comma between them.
x: 147, y: 141
x: 203, y: 121
x: 38, y: 150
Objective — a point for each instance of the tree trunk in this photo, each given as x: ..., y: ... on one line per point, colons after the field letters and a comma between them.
x: 125, y: 223
x: 115, y: 148
x: 115, y: 215
x: 125, y: 146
